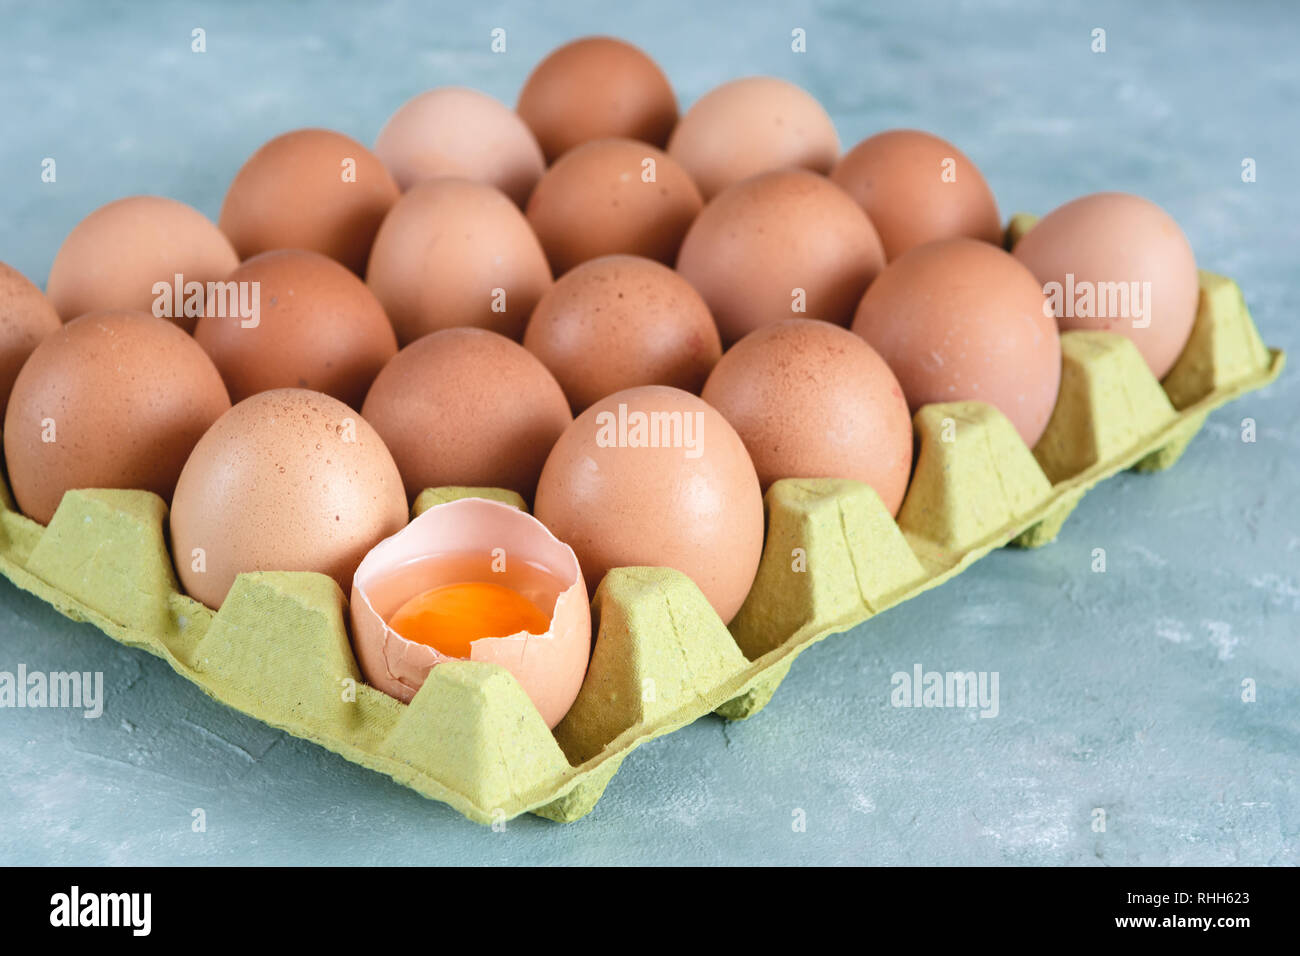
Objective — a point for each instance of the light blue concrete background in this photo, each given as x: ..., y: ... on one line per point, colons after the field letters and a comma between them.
x: 1118, y: 690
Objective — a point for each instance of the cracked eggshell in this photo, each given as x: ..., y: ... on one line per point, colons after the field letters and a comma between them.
x: 549, y: 667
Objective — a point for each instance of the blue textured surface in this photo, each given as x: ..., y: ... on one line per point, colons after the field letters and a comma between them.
x: 1118, y: 690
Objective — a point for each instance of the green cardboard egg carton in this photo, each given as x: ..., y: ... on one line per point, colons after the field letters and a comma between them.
x: 279, y: 651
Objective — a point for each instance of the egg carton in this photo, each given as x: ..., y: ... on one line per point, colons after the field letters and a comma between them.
x: 833, y: 557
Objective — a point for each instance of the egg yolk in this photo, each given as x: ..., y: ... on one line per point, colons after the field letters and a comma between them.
x: 450, y: 617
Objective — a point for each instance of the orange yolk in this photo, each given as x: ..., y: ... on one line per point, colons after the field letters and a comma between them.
x: 451, y: 617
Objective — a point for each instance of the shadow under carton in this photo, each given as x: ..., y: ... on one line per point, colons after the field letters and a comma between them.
x: 833, y: 556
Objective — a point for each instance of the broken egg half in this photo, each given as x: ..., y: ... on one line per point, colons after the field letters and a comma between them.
x: 478, y: 580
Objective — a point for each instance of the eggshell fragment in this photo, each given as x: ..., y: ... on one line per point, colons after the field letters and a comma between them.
x: 812, y: 400
x: 751, y: 126
x: 309, y: 189
x: 317, y: 326
x: 621, y: 321
x: 612, y: 196
x: 467, y: 407
x: 113, y: 259
x: 916, y: 188
x: 783, y: 245
x: 593, y: 88
x: 455, y: 252
x: 26, y: 318
x: 454, y: 131
x: 549, y: 667
x: 1119, y: 263
x: 287, y: 480
x: 110, y: 400
x: 959, y: 319
x: 655, y: 476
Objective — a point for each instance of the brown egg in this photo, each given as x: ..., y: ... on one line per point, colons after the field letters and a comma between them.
x: 958, y: 320
x: 812, y: 400
x: 122, y: 255
x: 655, y: 476
x: 467, y: 407
x: 110, y: 400
x: 454, y: 252
x: 288, y: 480
x: 309, y: 189
x: 612, y: 196
x: 453, y: 131
x: 26, y: 318
x: 621, y: 321
x: 311, y: 324
x: 917, y: 188
x: 1117, y: 262
x: 782, y: 245
x: 752, y: 126
x: 594, y: 88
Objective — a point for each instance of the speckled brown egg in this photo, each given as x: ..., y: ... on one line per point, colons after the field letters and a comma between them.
x: 26, y: 318
x: 309, y: 189
x: 958, y: 320
x: 655, y: 476
x: 123, y: 254
x: 110, y: 400
x: 813, y: 400
x: 313, y: 325
x: 621, y: 321
x: 457, y: 253
x: 454, y: 131
x: 751, y: 126
x: 612, y: 196
x: 917, y: 188
x: 287, y: 480
x: 594, y: 88
x: 788, y: 244
x: 467, y: 407
x: 1117, y: 262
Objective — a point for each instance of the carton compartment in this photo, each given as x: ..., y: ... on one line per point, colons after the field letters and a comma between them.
x: 833, y: 557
